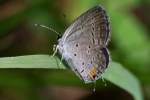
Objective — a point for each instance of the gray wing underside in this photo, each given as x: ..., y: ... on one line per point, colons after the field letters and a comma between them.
x: 94, y: 22
x: 85, y: 42
x: 84, y: 57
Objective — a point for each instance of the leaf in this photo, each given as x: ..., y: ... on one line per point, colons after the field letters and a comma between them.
x: 115, y: 73
x: 30, y: 61
x: 124, y: 79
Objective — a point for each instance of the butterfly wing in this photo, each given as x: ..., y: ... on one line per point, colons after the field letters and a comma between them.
x: 97, y: 22
x: 83, y: 45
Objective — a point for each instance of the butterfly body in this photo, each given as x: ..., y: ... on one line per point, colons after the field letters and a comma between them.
x: 84, y: 45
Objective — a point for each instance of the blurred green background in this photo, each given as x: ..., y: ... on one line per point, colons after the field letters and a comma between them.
x: 130, y: 46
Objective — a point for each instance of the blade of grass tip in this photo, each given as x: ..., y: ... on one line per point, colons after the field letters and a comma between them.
x: 124, y: 79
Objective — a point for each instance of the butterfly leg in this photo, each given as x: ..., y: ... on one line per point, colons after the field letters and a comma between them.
x: 61, y: 60
x: 103, y: 80
x: 55, y: 51
x: 94, y: 86
x: 55, y: 48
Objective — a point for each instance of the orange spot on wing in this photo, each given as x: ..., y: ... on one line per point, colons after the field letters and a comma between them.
x: 93, y: 73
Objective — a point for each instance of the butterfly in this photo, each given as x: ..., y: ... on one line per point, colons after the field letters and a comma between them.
x: 83, y: 45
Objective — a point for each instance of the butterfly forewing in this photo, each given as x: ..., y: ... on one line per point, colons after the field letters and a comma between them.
x: 94, y: 20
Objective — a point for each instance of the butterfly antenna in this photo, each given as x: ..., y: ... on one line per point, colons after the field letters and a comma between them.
x: 49, y: 28
x: 55, y: 48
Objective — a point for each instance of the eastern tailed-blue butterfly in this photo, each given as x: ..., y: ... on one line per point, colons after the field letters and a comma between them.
x: 84, y: 44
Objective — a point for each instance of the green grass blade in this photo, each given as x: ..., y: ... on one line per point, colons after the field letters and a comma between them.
x: 30, y: 61
x: 115, y: 73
